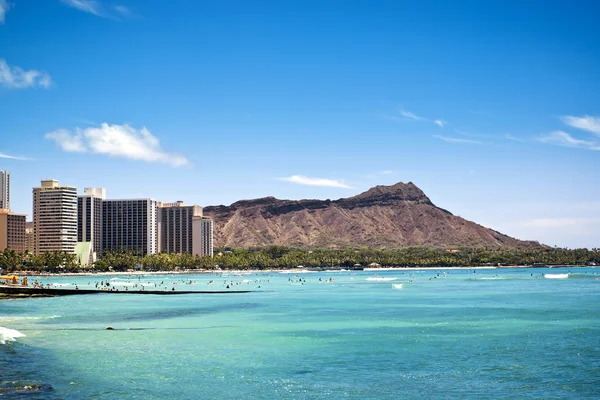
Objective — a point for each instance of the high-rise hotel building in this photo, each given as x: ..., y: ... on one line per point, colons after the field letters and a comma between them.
x: 206, y: 237
x: 54, y: 217
x: 183, y: 229
x: 4, y: 189
x: 12, y: 231
x: 89, y: 220
x: 130, y: 224
x: 12, y: 226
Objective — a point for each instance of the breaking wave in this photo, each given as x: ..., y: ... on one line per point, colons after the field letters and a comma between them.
x: 556, y: 276
x: 378, y: 278
x: 10, y: 318
x: 9, y: 335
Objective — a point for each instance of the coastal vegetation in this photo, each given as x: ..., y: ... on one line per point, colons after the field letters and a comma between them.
x: 280, y: 257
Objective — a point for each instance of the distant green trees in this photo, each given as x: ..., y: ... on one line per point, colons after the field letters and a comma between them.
x: 51, y: 261
x: 278, y: 257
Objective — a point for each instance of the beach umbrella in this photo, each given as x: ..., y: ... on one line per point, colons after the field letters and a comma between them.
x: 9, y: 278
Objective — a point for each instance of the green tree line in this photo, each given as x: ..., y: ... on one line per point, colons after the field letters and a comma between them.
x: 279, y: 257
x: 51, y: 261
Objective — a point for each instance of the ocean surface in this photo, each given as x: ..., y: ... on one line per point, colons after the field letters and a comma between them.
x: 474, y: 334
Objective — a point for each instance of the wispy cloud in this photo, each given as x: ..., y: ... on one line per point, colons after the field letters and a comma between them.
x: 561, y: 138
x: 3, y: 155
x: 17, y: 78
x: 96, y: 8
x: 305, y: 180
x: 4, y: 6
x: 123, y: 10
x: 118, y: 141
x: 586, y: 123
x: 388, y: 172
x: 513, y: 138
x: 450, y: 139
x: 410, y: 115
x: 88, y: 6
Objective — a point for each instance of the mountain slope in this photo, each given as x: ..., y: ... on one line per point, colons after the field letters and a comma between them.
x: 384, y: 216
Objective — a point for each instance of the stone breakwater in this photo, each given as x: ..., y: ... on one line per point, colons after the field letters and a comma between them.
x: 7, y: 291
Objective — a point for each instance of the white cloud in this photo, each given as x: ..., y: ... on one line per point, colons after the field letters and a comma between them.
x: 117, y: 141
x: 388, y: 172
x: 88, y: 6
x: 450, y: 139
x: 513, y: 138
x: 67, y: 141
x: 17, y: 78
x: 586, y: 123
x: 561, y: 138
x: 3, y: 155
x: 4, y: 6
x: 96, y: 8
x: 304, y: 180
x: 409, y: 115
x: 122, y: 10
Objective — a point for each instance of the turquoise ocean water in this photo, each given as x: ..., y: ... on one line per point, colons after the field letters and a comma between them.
x: 492, y: 333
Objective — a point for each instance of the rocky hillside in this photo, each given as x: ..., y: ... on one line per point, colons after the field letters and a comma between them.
x: 383, y: 216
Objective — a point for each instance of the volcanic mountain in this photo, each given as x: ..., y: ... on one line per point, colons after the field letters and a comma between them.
x: 382, y: 217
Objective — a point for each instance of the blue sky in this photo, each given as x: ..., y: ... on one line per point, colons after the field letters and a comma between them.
x: 492, y: 108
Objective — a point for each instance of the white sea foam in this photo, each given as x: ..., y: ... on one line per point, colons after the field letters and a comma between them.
x: 9, y: 335
x: 302, y: 271
x: 11, y: 318
x: 379, y: 278
x: 556, y: 276
x: 124, y: 284
x: 398, y: 285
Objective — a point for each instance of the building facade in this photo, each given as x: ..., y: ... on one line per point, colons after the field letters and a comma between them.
x: 89, y: 217
x: 176, y: 227
x: 183, y: 229
x: 54, y: 217
x: 29, y: 237
x: 130, y: 224
x: 206, y: 235
x: 4, y: 189
x: 12, y: 231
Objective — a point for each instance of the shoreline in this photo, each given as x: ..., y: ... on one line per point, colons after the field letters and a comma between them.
x: 287, y: 271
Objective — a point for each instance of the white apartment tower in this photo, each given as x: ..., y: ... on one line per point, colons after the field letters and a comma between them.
x: 130, y: 224
x: 4, y: 189
x: 54, y: 217
x: 89, y: 217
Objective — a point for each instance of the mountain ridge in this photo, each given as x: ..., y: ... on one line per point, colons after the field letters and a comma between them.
x: 383, y: 216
